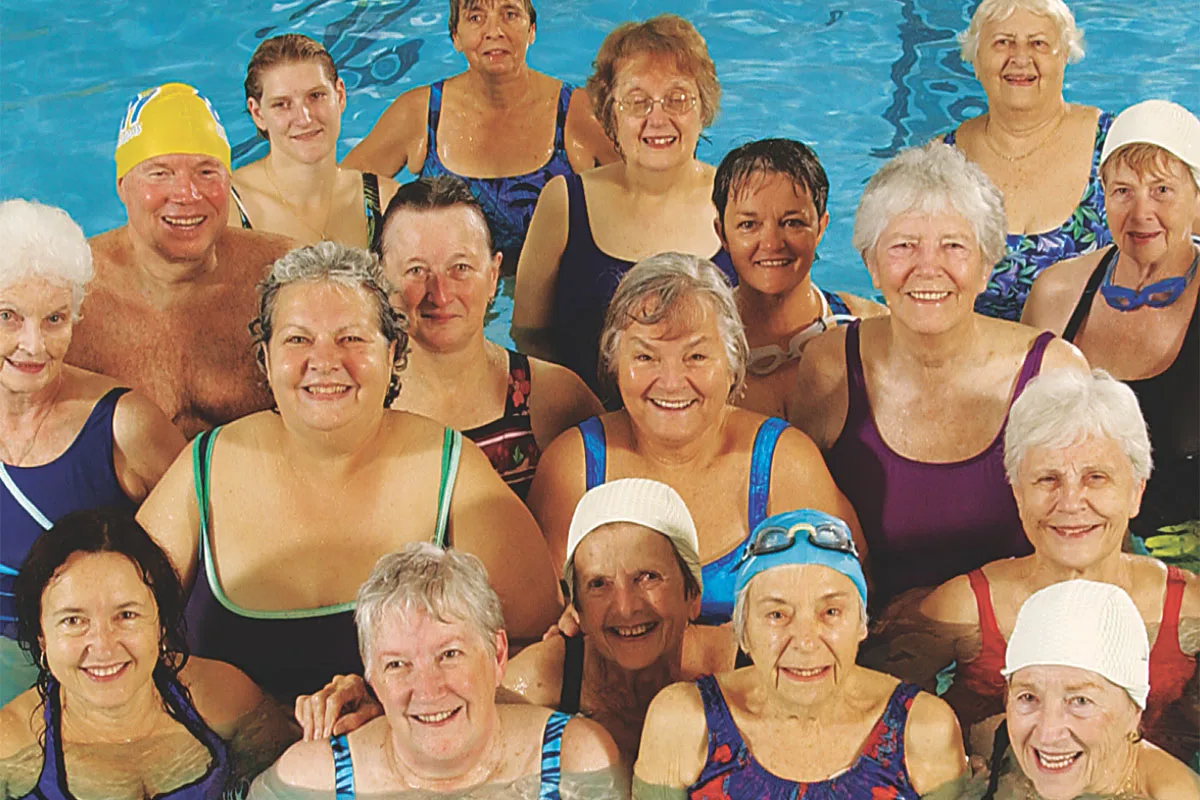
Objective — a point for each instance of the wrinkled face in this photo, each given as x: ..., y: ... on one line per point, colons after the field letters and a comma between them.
x: 1076, y: 502
x: 437, y: 684
x: 630, y: 594
x: 1021, y: 60
x: 673, y: 376
x: 493, y: 35
x: 438, y: 260
x: 100, y: 629
x: 1068, y: 730
x: 301, y: 110
x: 929, y: 269
x: 803, y: 627
x: 661, y: 140
x: 327, y: 361
x: 1151, y: 216
x: 771, y: 230
x: 177, y: 204
x: 35, y: 332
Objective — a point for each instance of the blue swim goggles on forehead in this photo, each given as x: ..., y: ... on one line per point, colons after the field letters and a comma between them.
x: 805, y: 536
x: 1157, y: 295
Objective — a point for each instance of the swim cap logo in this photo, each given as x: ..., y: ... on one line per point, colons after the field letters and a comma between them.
x: 131, y: 125
x: 216, y: 117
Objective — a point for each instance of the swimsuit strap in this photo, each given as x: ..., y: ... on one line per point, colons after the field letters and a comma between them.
x: 372, y: 210
x: 343, y: 768
x: 551, y: 772
x: 885, y: 743
x: 1172, y: 604
x: 241, y: 207
x: 723, y: 733
x: 594, y: 456
x: 1084, y: 306
x: 560, y: 122
x: 761, y: 458
x: 572, y: 678
x: 520, y: 383
x: 988, y: 626
x: 52, y: 782
x: 1032, y: 364
x: 836, y: 306
x: 201, y: 463
x: 858, y: 406
x: 431, y: 125
x: 451, y: 452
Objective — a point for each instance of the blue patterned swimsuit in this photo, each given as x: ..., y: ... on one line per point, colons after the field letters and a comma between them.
x: 1028, y: 254
x: 507, y: 202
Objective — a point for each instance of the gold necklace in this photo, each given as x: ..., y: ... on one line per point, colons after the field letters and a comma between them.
x: 295, y: 211
x: 987, y: 139
x: 37, y: 429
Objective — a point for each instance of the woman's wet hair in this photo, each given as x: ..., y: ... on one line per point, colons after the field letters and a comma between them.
x: 101, y: 530
x: 458, y: 6
x: 1147, y: 160
x: 787, y: 157
x: 998, y: 10
x: 334, y: 263
x: 666, y: 35
x: 933, y: 179
x: 290, y: 48
x: 430, y: 194
x: 43, y: 242
x: 446, y: 585
x: 658, y: 288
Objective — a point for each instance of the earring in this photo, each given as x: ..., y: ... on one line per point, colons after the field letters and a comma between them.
x: 1134, y: 736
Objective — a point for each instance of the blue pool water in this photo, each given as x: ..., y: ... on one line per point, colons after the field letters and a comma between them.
x: 857, y: 79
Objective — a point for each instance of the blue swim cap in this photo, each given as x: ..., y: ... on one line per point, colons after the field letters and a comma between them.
x: 804, y: 527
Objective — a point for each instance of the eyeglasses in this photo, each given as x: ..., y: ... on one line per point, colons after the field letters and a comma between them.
x: 676, y: 103
x: 826, y: 535
x: 1157, y: 295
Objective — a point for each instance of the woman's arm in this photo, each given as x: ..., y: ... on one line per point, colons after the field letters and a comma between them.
x: 588, y: 145
x: 394, y: 141
x: 933, y: 749
x: 144, y: 444
x: 489, y: 521
x: 171, y: 516
x: 556, y: 490
x: 558, y: 400
x: 537, y: 271
x: 674, y: 743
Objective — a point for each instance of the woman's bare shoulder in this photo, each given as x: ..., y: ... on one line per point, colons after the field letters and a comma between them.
x: 20, y: 723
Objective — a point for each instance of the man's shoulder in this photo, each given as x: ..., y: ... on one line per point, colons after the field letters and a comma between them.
x: 250, y: 249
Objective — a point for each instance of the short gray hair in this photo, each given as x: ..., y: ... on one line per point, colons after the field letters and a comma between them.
x: 335, y: 263
x: 446, y: 585
x: 1062, y: 407
x: 42, y: 241
x: 655, y: 289
x: 997, y: 10
x: 740, y: 612
x: 931, y: 179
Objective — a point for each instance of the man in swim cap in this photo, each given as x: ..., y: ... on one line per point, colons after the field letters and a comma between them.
x: 174, y: 287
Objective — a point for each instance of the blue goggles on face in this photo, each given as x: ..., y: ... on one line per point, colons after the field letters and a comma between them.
x: 776, y: 538
x: 1157, y: 295
x: 804, y: 536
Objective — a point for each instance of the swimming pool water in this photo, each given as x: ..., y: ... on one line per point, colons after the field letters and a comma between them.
x: 856, y: 79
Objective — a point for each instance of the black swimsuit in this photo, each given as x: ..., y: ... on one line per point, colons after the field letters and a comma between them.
x: 371, y: 207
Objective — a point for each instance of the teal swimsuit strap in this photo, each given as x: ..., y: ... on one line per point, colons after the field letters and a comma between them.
x: 551, y: 774
x: 372, y: 209
x: 343, y: 768
x: 451, y: 452
x: 237, y: 200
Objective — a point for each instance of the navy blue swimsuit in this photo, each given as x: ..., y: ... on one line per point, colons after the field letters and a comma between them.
x: 507, y: 202
x: 720, y: 576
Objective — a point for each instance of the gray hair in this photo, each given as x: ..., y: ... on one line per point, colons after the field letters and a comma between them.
x: 42, y: 241
x: 335, y: 263
x: 932, y: 179
x: 1064, y: 406
x: 655, y: 289
x: 740, y: 612
x: 997, y: 10
x: 446, y: 585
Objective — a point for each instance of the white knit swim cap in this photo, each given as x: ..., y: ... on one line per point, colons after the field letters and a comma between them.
x: 1161, y: 123
x: 1084, y: 624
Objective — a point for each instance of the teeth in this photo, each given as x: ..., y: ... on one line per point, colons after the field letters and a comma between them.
x: 929, y: 295
x: 1056, y: 762
x: 672, y: 404
x: 432, y: 718
x: 781, y: 262
x: 184, y: 220
x: 656, y: 140
x: 325, y: 389
x: 636, y: 630
x: 104, y: 672
x: 806, y: 673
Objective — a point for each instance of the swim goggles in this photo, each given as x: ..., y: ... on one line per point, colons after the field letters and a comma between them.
x: 768, y: 358
x: 802, y: 537
x: 776, y: 538
x: 1157, y: 295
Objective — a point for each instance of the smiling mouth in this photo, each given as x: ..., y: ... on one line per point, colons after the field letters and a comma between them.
x: 801, y: 674
x: 1056, y: 763
x: 632, y: 631
x: 774, y: 263
x: 672, y: 405
x: 102, y: 673
x: 436, y: 718
x: 30, y: 367
x: 326, y: 391
x: 1074, y: 531
x: 184, y: 222
x: 928, y: 296
x: 1020, y: 80
x: 307, y: 135
x: 660, y: 141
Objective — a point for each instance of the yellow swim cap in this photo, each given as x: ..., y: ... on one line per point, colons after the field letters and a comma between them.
x: 172, y: 118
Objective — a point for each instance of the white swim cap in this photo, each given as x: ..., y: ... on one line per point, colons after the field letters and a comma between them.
x: 1161, y: 123
x: 1087, y: 625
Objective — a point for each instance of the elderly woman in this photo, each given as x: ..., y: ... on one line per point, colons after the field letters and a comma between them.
x: 282, y: 513
x: 1076, y: 687
x: 655, y: 89
x: 1077, y: 455
x: 433, y: 641
x: 120, y: 710
x: 673, y: 347
x: 770, y: 197
x: 804, y: 720
x: 1042, y: 152
x: 910, y: 408
x: 296, y: 100
x: 509, y: 129
x: 1148, y: 335
x: 438, y: 253
x: 69, y: 439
